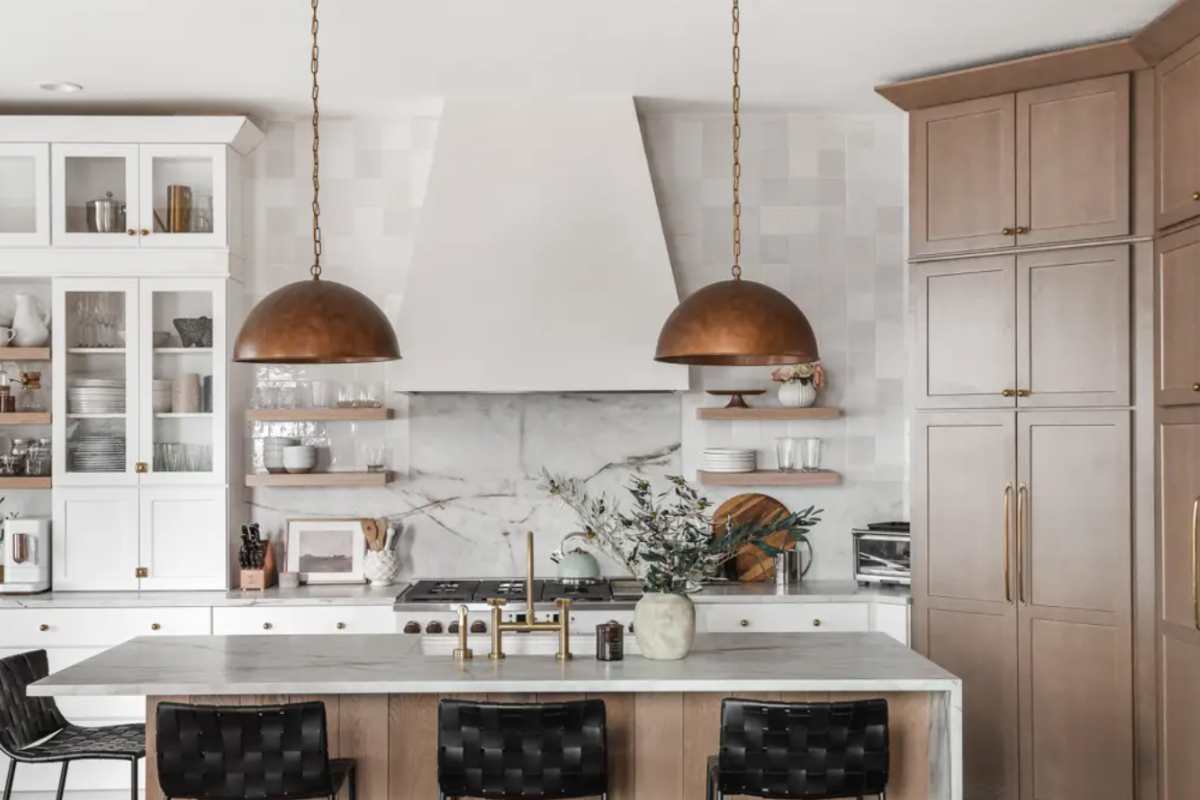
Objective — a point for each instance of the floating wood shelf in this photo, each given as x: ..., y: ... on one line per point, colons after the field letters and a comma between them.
x: 25, y: 483
x: 96, y: 416
x: 318, y: 479
x: 318, y: 414
x: 770, y: 477
x: 183, y: 415
x: 24, y: 353
x: 26, y: 418
x: 181, y: 351
x: 95, y: 351
x: 816, y: 412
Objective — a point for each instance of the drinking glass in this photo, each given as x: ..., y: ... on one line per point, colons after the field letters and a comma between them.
x: 266, y: 397
x: 351, y: 396
x: 287, y: 396
x: 810, y: 455
x: 376, y: 457
x: 785, y: 453
x: 373, y: 395
x: 322, y: 394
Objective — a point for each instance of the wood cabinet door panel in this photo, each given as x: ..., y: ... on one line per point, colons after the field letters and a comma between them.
x: 1073, y: 328
x: 1179, y: 487
x: 1179, y: 718
x: 966, y: 333
x: 963, y: 183
x: 1178, y: 342
x: 1179, y: 135
x: 1073, y: 161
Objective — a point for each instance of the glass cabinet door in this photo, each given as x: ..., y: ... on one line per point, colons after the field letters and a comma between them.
x: 95, y: 198
x: 183, y: 423
x: 183, y: 195
x: 94, y: 398
x: 24, y: 195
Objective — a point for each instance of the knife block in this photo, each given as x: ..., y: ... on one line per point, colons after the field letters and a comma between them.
x: 256, y: 578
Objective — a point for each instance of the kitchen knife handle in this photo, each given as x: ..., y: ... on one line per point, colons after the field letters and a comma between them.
x: 1008, y: 493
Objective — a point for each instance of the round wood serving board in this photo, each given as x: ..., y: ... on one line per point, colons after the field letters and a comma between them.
x: 752, y: 564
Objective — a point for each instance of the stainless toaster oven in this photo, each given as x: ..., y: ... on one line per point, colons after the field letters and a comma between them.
x: 882, y: 553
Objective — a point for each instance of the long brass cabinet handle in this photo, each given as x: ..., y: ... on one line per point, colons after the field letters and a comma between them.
x: 1196, y: 563
x: 1022, y: 497
x: 1008, y: 491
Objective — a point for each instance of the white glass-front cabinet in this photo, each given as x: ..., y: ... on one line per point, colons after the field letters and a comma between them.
x: 161, y: 195
x: 140, y: 433
x: 24, y: 195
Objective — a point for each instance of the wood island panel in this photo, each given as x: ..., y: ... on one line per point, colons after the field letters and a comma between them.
x: 659, y: 742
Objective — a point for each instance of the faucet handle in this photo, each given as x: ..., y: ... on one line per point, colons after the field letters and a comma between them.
x: 563, y: 602
x: 497, y: 602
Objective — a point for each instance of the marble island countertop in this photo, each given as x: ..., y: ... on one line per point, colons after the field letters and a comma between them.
x: 826, y: 591
x: 397, y: 664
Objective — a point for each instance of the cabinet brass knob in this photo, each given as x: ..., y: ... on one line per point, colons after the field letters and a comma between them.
x: 1006, y: 231
x: 1196, y: 196
x: 745, y: 623
x: 267, y: 626
x: 154, y: 626
x: 1023, y: 393
x: 816, y: 623
x: 43, y: 628
x: 341, y: 626
x: 131, y: 232
x: 145, y: 232
x: 1022, y: 230
x: 1007, y: 393
x: 1196, y: 387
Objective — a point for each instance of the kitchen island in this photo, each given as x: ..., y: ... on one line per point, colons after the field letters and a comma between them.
x: 381, y: 692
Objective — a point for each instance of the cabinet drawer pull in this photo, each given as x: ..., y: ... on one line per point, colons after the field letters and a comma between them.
x: 1021, y: 229
x: 145, y: 232
x: 1024, y: 392
x: 745, y: 623
x: 131, y: 232
x: 267, y: 626
x: 1196, y: 197
x: 1196, y: 387
x: 1195, y: 564
x: 1006, y: 231
x: 1022, y: 498
x: 154, y: 626
x: 43, y: 627
x: 341, y: 626
x: 1008, y: 491
x: 816, y: 623
x: 1008, y: 392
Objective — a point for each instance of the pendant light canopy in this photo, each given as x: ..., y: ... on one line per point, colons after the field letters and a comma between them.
x: 316, y: 321
x: 737, y: 323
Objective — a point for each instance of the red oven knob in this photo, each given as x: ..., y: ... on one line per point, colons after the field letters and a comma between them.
x: 434, y: 627
x: 412, y: 627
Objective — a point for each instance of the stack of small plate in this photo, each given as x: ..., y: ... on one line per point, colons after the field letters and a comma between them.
x: 98, y: 453
x: 728, y: 459
x: 161, y: 398
x: 96, y: 396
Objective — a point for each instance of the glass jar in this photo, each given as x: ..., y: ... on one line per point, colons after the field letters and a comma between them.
x: 37, y: 462
x: 20, y: 453
x: 32, y: 399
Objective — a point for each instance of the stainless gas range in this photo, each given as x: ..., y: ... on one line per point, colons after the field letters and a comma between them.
x: 431, y: 606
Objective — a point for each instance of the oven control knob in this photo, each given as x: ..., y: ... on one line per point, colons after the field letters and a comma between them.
x: 478, y: 626
x: 453, y: 627
x: 412, y: 627
x: 434, y: 627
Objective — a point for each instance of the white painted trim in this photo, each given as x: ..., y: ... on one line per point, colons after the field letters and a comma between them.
x: 113, y: 263
x: 238, y: 132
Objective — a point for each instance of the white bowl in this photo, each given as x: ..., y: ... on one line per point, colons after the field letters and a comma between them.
x: 299, y: 458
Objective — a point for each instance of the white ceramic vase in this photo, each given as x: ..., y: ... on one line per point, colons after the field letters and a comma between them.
x: 664, y: 626
x: 797, y: 394
x: 30, y: 322
x: 381, y: 567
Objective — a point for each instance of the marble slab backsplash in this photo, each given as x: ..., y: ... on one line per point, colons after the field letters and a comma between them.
x: 823, y: 221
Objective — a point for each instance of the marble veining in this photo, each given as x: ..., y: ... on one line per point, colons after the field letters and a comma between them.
x: 383, y: 664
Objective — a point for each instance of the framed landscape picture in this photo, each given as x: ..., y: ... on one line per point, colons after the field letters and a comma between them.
x: 326, y: 550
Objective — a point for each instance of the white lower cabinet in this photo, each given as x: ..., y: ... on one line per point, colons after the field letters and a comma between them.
x: 69, y: 636
x: 148, y: 538
x: 244, y: 620
x: 892, y: 620
x: 782, y: 617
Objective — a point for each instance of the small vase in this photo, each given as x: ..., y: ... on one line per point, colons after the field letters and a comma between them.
x: 381, y: 567
x: 664, y: 626
x: 31, y: 322
x: 797, y: 394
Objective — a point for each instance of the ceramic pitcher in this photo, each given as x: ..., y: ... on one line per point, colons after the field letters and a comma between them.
x: 31, y: 322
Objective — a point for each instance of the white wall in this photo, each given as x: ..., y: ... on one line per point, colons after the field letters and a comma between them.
x: 823, y: 202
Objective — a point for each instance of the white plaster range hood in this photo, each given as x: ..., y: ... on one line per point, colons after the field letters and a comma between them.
x: 539, y: 263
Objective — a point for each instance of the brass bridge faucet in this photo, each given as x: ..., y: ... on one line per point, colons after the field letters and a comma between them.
x: 562, y: 627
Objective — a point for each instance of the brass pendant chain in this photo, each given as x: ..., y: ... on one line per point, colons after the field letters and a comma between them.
x: 316, y: 117
x: 737, y: 136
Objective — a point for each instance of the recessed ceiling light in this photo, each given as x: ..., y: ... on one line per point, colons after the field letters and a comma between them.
x: 62, y: 87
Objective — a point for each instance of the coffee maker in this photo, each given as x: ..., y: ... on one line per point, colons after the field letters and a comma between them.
x: 26, y: 556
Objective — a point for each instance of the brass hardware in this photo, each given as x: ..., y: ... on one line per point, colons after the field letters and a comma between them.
x: 1022, y: 497
x: 561, y: 627
x: 1021, y: 229
x: 1008, y: 491
x: 267, y: 626
x: 1006, y: 231
x: 745, y: 623
x: 462, y: 652
x: 1196, y: 387
x: 341, y: 626
x: 1195, y: 563
x: 1023, y: 392
x: 141, y: 572
x: 131, y: 232
x: 1196, y: 196
x: 144, y: 232
x: 43, y: 627
x: 154, y: 626
x: 1008, y: 393
x: 816, y: 623
x: 412, y: 627
x: 141, y: 467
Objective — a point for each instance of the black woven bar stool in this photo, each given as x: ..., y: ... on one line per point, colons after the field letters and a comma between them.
x: 537, y: 751
x: 803, y: 751
x: 248, y: 753
x: 25, y: 720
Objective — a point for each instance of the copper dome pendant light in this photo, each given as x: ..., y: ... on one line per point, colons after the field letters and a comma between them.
x: 316, y: 321
x: 737, y: 323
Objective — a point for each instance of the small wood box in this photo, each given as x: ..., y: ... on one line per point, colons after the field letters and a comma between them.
x: 257, y: 578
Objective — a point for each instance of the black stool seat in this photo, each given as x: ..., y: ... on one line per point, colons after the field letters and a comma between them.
x: 534, y: 751
x: 74, y: 743
x: 801, y: 751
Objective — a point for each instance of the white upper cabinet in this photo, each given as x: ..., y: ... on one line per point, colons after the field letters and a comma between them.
x: 183, y: 195
x: 95, y: 196
x: 24, y: 195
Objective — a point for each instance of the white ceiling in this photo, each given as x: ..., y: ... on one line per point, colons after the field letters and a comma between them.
x: 252, y: 55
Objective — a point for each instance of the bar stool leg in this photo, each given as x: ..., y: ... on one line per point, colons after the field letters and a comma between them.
x: 8, y: 783
x: 352, y: 783
x: 133, y: 779
x: 62, y: 780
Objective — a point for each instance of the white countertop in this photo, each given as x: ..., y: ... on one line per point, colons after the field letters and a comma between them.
x: 395, y: 664
x: 808, y: 591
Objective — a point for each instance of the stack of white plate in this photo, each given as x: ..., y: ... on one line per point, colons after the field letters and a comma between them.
x: 161, y: 398
x: 273, y: 449
x: 96, y: 396
x: 98, y: 453
x: 728, y: 459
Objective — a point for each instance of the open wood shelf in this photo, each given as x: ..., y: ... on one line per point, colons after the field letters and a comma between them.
x: 770, y: 477
x: 25, y: 483
x: 183, y: 415
x: 96, y: 351
x: 317, y: 414
x: 319, y: 479
x: 181, y: 351
x: 24, y: 353
x: 26, y: 418
x: 815, y: 412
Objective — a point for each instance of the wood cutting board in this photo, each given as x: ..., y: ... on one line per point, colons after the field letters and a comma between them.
x: 751, y: 563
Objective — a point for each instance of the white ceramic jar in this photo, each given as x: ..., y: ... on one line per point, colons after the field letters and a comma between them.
x: 797, y: 394
x: 664, y: 626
